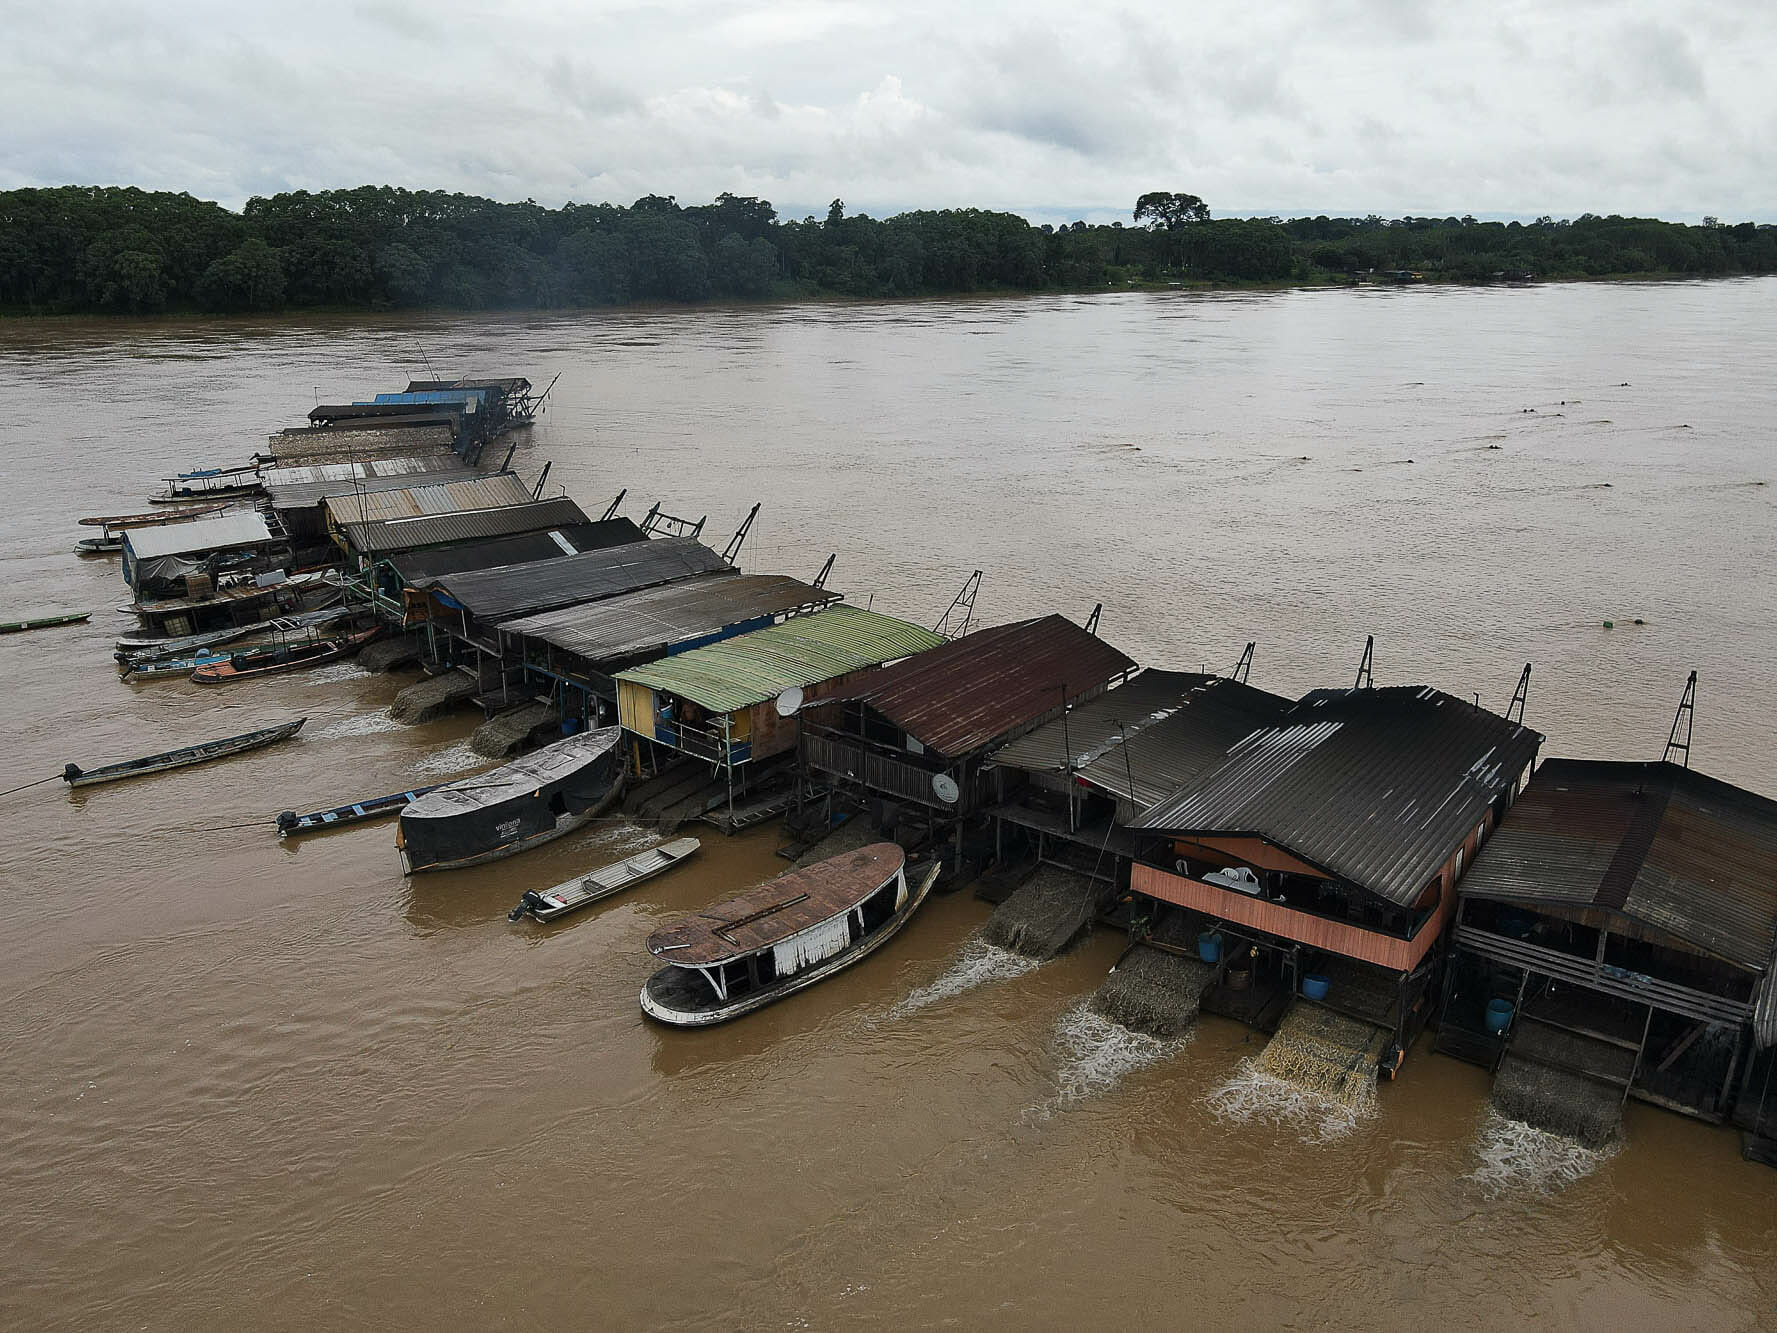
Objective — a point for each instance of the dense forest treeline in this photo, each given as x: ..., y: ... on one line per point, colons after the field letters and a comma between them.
x: 124, y: 250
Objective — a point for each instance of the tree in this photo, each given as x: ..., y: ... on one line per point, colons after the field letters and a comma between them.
x: 249, y: 277
x: 1169, y: 212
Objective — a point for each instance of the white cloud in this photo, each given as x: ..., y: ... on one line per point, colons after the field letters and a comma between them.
x: 1055, y: 110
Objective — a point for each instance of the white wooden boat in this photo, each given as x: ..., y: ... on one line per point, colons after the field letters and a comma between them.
x: 605, y: 882
x: 782, y: 937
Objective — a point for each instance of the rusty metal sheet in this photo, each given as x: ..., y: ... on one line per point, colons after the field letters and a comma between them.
x: 993, y: 685
x: 1668, y: 847
x: 779, y: 908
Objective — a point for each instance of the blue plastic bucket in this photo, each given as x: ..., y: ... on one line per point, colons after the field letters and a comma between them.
x: 1499, y: 1016
x: 1209, y: 946
x: 1314, y: 986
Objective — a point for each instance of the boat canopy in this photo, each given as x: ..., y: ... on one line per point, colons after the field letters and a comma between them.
x: 800, y: 903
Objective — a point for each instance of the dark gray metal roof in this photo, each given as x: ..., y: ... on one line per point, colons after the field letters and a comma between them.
x: 649, y: 622
x: 416, y: 567
x: 379, y: 536
x: 1089, y: 729
x: 1686, y: 854
x: 1193, y: 740
x: 506, y: 591
x: 1376, y: 786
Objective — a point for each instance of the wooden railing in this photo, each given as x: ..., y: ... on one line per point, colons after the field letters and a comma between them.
x: 1598, y: 976
x: 878, y: 772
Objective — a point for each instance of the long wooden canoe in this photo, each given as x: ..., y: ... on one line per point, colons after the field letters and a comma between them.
x: 153, y: 520
x: 44, y: 622
x: 201, y: 753
x: 356, y: 812
x: 605, y: 882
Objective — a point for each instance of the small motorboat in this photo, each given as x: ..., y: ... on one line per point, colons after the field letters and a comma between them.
x: 212, y: 483
x: 510, y: 809
x: 135, y: 649
x: 171, y: 666
x: 781, y: 937
x: 357, y: 812
x: 201, y: 753
x: 279, y: 658
x: 44, y: 622
x: 605, y: 882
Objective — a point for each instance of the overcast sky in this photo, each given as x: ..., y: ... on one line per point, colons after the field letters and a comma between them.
x: 1051, y: 110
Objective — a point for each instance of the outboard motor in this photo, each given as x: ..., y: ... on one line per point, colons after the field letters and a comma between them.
x: 70, y: 772
x: 287, y: 820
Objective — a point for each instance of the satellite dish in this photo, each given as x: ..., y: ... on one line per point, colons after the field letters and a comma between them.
x: 789, y: 703
x: 945, y: 789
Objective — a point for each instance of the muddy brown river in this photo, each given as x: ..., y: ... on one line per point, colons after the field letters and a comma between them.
x: 249, y: 1083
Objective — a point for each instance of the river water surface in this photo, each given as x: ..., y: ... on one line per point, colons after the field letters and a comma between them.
x: 253, y: 1083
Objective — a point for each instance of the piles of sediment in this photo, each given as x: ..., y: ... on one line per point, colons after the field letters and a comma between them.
x: 503, y: 734
x: 1154, y: 991
x: 387, y: 654
x: 1560, y: 1101
x: 433, y: 697
x: 1326, y: 1053
x: 856, y: 832
x: 1043, y: 915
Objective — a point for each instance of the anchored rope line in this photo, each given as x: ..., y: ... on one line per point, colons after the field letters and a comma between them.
x: 53, y: 777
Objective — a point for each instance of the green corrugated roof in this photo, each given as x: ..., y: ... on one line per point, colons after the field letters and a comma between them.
x: 751, y: 668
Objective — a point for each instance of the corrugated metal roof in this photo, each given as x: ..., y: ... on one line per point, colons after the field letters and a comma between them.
x: 542, y: 585
x: 307, y: 494
x: 417, y: 567
x: 447, y: 497
x: 1099, y: 724
x: 1376, y: 786
x: 803, y: 651
x: 1687, y: 854
x: 655, y: 619
x: 1181, y: 748
x: 314, y: 443
x: 244, y: 527
x: 412, y: 534
x: 993, y: 684
x: 401, y: 465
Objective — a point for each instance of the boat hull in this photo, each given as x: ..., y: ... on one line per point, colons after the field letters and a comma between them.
x: 534, y: 814
x: 44, y: 622
x: 182, y: 758
x: 662, y: 1010
x: 552, y: 904
x: 291, y: 824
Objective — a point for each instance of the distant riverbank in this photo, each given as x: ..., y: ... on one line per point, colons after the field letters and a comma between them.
x: 122, y: 251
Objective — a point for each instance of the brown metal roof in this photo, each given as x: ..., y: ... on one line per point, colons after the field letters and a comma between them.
x: 995, y: 684
x: 1686, y: 854
x: 778, y: 909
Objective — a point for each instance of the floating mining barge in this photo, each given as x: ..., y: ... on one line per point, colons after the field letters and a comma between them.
x: 1360, y: 873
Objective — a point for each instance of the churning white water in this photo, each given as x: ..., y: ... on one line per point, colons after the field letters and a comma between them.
x: 978, y: 964
x: 1095, y: 1054
x: 1516, y: 1158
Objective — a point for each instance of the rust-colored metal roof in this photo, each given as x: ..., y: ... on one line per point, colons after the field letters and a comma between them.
x: 1686, y: 854
x: 778, y: 908
x: 993, y: 685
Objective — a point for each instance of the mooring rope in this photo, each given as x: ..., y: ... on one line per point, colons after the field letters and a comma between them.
x: 53, y: 777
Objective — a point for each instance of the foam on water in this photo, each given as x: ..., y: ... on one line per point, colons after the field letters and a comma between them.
x: 1517, y: 1158
x: 1255, y: 1095
x: 335, y: 672
x: 1095, y: 1054
x: 363, y: 724
x: 978, y: 964
x: 451, y: 759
